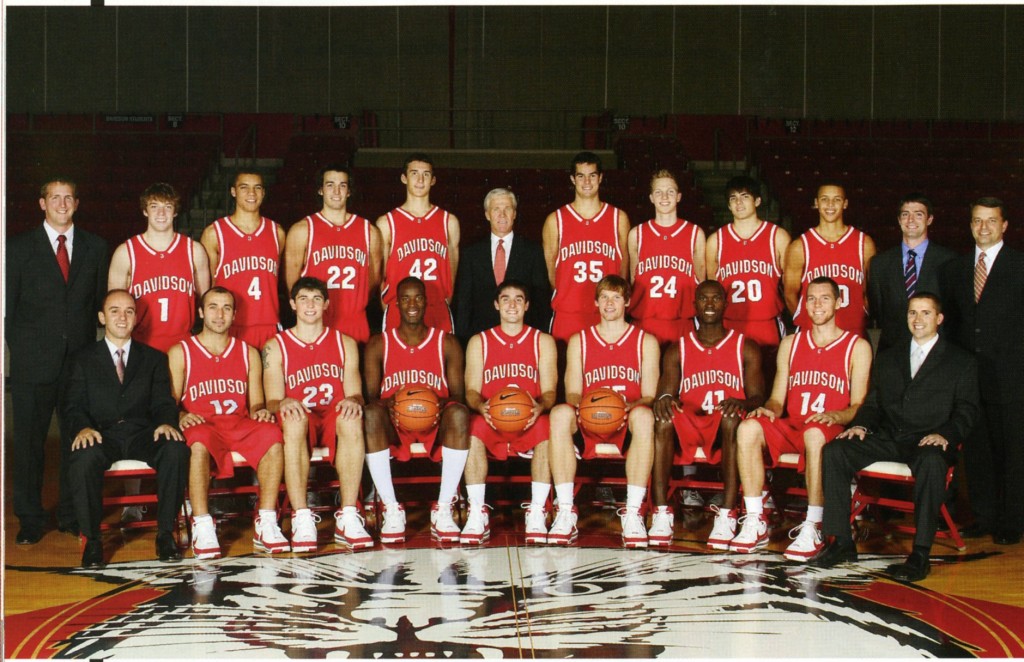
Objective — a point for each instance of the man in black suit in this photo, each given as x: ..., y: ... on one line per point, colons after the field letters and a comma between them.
x: 56, y: 279
x: 902, y: 270
x: 984, y: 296
x: 119, y: 403
x: 922, y: 405
x: 481, y: 266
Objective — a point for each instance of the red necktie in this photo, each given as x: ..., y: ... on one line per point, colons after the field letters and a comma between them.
x: 499, y: 263
x: 63, y: 260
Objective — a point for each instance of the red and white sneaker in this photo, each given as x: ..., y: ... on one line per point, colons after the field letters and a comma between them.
x: 349, y: 531
x: 267, y: 537
x: 807, y: 542
x: 563, y: 530
x: 662, y: 529
x: 392, y: 530
x: 204, y: 539
x: 724, y: 529
x: 478, y: 526
x: 634, y: 533
x: 753, y: 534
x: 536, y: 524
x: 442, y: 525
x: 304, y: 534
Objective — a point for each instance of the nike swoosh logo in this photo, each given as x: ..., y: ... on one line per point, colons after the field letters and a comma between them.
x: 599, y: 398
x: 414, y: 392
x: 506, y: 396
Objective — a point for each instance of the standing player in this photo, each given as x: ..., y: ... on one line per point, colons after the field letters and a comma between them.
x: 612, y: 354
x: 339, y: 248
x: 218, y: 382
x: 710, y: 379
x: 415, y: 354
x: 821, y: 379
x: 583, y: 242
x: 510, y: 354
x: 245, y: 253
x: 420, y: 240
x: 666, y: 262
x: 312, y: 383
x: 746, y: 257
x: 833, y: 250
x: 163, y: 270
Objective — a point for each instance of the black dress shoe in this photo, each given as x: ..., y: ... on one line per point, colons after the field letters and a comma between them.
x: 29, y: 535
x: 166, y: 549
x: 914, y: 569
x: 836, y: 552
x: 975, y: 530
x: 68, y: 527
x: 92, y: 557
x: 1006, y: 537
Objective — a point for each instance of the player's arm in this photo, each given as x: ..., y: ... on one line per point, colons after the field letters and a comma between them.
x: 623, y: 231
x: 869, y: 252
x: 573, y: 371
x: 649, y: 372
x: 454, y: 233
x: 257, y: 402
x: 475, y: 378
x: 281, y: 240
x: 773, y: 407
x: 700, y: 265
x: 782, y: 242
x: 351, y: 407
x: 792, y: 274
x: 711, y: 255
x: 385, y: 236
x: 454, y: 370
x: 273, y: 384
x: 548, y: 369
x: 376, y: 259
x: 200, y: 269
x: 119, y: 277
x: 549, y: 237
x: 753, y: 382
x: 209, y: 242
x: 666, y: 404
x: 176, y: 364
x: 373, y: 368
x: 860, y: 371
x: 634, y: 252
x: 295, y: 252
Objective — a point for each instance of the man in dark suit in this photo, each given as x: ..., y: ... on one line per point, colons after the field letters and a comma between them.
x: 984, y: 297
x: 56, y: 279
x: 922, y: 405
x: 902, y: 270
x: 120, y: 406
x: 487, y: 263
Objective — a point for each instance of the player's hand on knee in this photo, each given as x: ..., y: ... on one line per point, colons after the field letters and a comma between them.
x: 187, y: 420
x: 87, y: 437
x: 762, y: 411
x: 292, y: 410
x: 263, y: 415
x: 350, y: 409
x: 731, y: 407
x: 858, y: 431
x: 825, y: 418
x: 665, y: 408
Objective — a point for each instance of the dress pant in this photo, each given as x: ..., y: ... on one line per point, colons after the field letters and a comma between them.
x: 33, y: 406
x: 843, y: 458
x: 170, y: 459
x: 994, y: 463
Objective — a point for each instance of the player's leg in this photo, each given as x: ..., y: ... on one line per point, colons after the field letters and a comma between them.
x: 638, y: 473
x: 724, y: 528
x: 204, y: 533
x: 477, y: 529
x: 349, y: 457
x: 267, y: 536
x: 662, y: 529
x: 563, y: 474
x: 453, y: 432
x: 750, y: 444
x: 379, y: 435
x: 540, y: 488
x: 807, y: 539
x: 296, y: 459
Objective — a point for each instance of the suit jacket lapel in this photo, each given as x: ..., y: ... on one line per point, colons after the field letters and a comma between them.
x: 933, y: 359
x: 81, y: 254
x: 131, y: 368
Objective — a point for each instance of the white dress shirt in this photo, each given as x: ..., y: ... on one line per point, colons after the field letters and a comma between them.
x: 506, y: 243
x: 922, y: 351
x: 53, y: 234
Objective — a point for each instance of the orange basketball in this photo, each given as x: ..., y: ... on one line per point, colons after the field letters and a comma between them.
x: 511, y: 409
x: 416, y: 408
x: 602, y: 411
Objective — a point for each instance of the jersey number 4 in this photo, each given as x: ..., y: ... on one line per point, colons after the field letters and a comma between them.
x: 711, y: 399
x: 424, y: 269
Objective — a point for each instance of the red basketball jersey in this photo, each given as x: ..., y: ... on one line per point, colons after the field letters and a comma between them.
x: 511, y: 361
x: 710, y: 374
x: 843, y: 262
x: 588, y: 250
x: 248, y: 266
x: 616, y: 365
x: 750, y: 273
x: 419, y: 247
x: 663, y: 281
x: 422, y: 365
x: 163, y: 284
x: 314, y: 373
x: 819, y: 377
x: 339, y: 256
x: 216, y: 385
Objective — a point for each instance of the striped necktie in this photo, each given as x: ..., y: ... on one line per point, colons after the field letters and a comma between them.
x: 980, y: 275
x: 910, y: 273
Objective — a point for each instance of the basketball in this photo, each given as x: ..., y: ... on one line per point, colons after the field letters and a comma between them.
x: 416, y: 408
x: 511, y: 409
x: 602, y: 411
